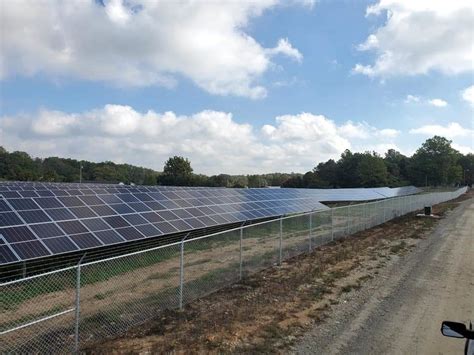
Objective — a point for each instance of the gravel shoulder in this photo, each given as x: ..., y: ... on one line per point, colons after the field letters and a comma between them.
x: 400, y: 311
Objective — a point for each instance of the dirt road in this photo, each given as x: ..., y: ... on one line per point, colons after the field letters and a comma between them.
x: 401, y: 311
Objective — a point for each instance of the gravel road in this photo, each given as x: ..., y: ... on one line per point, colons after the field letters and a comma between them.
x: 400, y: 311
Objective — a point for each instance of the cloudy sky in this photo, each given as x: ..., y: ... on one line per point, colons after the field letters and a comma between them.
x: 236, y: 86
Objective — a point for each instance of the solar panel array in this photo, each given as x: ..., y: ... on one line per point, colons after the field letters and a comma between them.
x: 43, y: 219
x: 50, y: 220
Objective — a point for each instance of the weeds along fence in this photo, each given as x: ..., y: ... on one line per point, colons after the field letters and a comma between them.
x: 68, y: 309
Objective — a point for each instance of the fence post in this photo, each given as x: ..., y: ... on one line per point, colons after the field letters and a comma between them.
x: 280, y: 257
x: 348, y: 216
x: 181, y: 275
x: 310, y: 228
x: 384, y: 213
x: 24, y: 269
x: 78, y: 304
x: 332, y: 224
x: 240, y: 259
x: 365, y: 216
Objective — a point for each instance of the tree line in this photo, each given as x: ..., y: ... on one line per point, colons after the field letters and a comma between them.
x: 435, y: 163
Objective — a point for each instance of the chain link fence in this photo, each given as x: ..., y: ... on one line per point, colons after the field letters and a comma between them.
x: 65, y: 310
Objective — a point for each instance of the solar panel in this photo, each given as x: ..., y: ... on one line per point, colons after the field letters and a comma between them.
x: 40, y: 219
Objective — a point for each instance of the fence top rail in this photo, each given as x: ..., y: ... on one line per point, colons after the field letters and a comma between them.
x: 457, y: 192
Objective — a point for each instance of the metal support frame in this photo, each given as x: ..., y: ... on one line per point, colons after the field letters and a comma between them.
x: 310, y: 229
x: 78, y: 304
x: 280, y: 256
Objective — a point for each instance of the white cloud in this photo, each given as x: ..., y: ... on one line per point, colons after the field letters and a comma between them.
x: 420, y: 36
x: 285, y: 47
x: 389, y: 133
x: 364, y: 131
x: 53, y: 123
x: 213, y: 140
x: 468, y: 95
x: 452, y: 130
x: 433, y: 102
x: 412, y: 98
x: 355, y: 130
x: 464, y: 149
x: 141, y: 42
x: 438, y: 103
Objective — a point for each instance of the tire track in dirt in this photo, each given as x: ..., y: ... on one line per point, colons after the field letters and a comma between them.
x: 401, y: 311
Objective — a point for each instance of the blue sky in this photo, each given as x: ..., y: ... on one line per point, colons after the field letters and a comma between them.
x: 248, y: 87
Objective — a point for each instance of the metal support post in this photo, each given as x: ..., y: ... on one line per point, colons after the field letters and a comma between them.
x: 241, y: 259
x: 281, y: 242
x: 365, y: 216
x: 78, y: 304
x: 348, y: 216
x: 310, y: 228
x: 384, y: 213
x: 181, y: 274
x: 332, y: 224
x: 24, y: 269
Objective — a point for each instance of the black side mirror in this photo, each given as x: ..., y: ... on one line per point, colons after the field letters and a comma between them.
x: 453, y: 329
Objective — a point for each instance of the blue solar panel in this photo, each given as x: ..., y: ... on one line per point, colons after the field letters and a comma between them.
x: 9, y: 219
x: 90, y: 215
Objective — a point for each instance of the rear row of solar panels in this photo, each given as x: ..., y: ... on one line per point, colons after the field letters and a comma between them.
x: 43, y: 219
x: 35, y: 189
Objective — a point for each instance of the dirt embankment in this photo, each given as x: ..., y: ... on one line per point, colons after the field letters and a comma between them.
x: 271, y: 310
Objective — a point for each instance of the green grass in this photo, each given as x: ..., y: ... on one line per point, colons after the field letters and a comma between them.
x: 25, y: 319
x: 15, y: 295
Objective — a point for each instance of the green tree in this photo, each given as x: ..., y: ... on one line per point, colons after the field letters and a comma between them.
x: 221, y: 180
x: 467, y: 165
x: 177, y: 171
x: 397, y: 168
x: 372, y: 171
x: 327, y: 173
x: 295, y: 181
x: 435, y: 163
x: 256, y: 181
x: 20, y: 166
x: 106, y: 173
x: 347, y: 169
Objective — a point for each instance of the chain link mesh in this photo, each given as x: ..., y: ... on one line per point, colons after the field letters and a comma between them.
x: 65, y: 310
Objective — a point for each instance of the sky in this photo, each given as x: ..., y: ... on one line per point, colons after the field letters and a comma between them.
x: 237, y: 87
